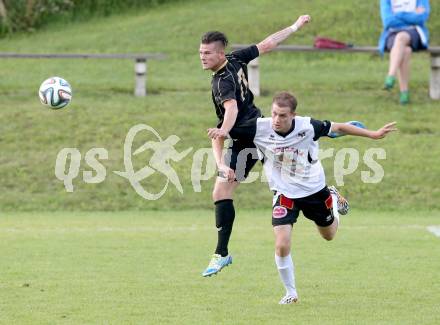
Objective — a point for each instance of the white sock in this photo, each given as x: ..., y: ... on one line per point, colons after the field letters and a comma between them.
x: 335, y: 207
x: 286, y: 271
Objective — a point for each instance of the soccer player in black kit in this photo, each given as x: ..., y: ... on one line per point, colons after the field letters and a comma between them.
x: 235, y: 109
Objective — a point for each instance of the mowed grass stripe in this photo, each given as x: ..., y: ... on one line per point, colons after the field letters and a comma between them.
x: 381, y: 269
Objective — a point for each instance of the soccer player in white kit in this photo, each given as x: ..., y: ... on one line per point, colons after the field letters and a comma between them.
x: 288, y: 145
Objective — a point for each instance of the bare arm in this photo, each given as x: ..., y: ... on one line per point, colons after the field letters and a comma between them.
x: 231, y: 112
x: 224, y: 171
x: 218, y: 139
x: 353, y: 130
x: 217, y: 149
x: 272, y: 41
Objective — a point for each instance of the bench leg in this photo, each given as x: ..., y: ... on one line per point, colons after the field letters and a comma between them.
x: 434, y: 84
x: 140, y: 69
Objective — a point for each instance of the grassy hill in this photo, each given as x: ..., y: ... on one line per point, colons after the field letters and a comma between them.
x: 114, y: 268
x: 328, y: 86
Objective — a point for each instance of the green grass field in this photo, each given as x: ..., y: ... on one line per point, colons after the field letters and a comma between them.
x: 144, y: 268
x: 104, y: 255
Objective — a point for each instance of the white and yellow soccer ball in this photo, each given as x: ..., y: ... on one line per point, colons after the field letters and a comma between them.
x: 55, y: 93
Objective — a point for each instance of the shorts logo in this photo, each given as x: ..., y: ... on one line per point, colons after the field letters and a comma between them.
x: 286, y: 202
x: 329, y: 202
x: 279, y: 212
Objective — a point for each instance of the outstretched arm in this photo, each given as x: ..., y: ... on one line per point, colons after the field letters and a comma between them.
x: 272, y: 41
x: 353, y: 130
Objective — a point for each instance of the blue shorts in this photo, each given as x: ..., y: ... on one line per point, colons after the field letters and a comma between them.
x: 415, y: 43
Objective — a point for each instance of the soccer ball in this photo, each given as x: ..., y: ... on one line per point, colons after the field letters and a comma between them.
x: 55, y: 92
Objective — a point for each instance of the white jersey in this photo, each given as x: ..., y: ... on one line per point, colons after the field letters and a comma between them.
x: 291, y: 162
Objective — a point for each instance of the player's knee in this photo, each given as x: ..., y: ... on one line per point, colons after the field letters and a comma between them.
x: 215, y: 194
x: 282, y: 247
x: 408, y: 51
x: 222, y: 192
x: 402, y: 38
x: 219, y: 194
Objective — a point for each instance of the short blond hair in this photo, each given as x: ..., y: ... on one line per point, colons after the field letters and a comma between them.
x: 285, y: 99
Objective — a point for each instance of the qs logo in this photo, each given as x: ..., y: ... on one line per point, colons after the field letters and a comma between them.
x: 163, y: 153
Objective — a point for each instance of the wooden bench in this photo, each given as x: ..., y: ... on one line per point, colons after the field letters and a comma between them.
x: 140, y: 66
x: 254, y: 73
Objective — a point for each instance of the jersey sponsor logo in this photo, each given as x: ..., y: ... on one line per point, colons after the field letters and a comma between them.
x: 279, y: 212
x: 290, y: 150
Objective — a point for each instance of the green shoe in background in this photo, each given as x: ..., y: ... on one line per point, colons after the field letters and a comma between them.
x: 404, y: 97
x: 389, y: 82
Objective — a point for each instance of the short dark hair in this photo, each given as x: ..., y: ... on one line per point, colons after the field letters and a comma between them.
x: 215, y: 36
x: 285, y: 99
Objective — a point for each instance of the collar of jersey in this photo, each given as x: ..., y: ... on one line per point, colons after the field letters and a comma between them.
x: 288, y: 132
x: 220, y: 68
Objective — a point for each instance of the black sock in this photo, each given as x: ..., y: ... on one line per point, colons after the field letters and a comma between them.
x: 224, y: 219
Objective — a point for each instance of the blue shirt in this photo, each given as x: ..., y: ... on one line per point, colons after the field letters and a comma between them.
x: 401, y: 20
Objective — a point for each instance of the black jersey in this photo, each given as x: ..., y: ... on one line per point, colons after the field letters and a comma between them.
x: 231, y: 82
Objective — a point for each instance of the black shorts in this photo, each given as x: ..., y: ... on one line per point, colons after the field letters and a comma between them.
x: 241, y: 156
x: 316, y: 207
x: 415, y: 43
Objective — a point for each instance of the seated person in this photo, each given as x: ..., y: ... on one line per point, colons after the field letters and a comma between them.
x: 404, y: 31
